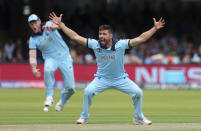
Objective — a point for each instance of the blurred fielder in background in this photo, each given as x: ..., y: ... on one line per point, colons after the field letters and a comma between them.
x: 56, y: 55
x: 110, y: 61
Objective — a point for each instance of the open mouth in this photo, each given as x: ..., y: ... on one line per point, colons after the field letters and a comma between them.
x: 102, y: 40
x: 35, y: 30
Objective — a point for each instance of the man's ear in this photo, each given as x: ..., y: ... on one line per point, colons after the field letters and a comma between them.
x: 111, y: 35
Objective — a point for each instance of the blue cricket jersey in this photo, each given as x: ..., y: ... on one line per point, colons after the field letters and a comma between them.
x: 110, y: 62
x: 50, y: 43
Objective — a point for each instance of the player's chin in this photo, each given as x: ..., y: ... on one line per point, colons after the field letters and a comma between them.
x: 35, y: 31
x: 102, y: 43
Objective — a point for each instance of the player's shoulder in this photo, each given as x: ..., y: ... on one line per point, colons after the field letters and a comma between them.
x: 122, y: 41
x: 32, y: 42
x: 32, y: 39
x: 122, y: 44
x: 93, y: 42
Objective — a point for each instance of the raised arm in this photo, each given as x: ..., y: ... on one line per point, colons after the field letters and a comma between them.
x: 33, y: 63
x: 146, y: 35
x: 70, y: 33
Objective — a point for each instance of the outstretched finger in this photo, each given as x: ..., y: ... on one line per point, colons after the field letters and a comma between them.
x: 51, y: 14
x: 54, y: 14
x: 161, y: 19
x: 50, y: 17
x: 154, y: 19
x: 61, y: 15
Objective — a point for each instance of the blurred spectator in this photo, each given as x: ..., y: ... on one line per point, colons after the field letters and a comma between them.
x: 199, y: 51
x: 139, y: 51
x: 1, y: 55
x: 134, y: 60
x: 147, y: 58
x: 17, y: 54
x: 174, y: 48
x: 1, y: 52
x: 158, y: 58
x: 156, y: 47
x: 88, y: 58
x: 75, y: 57
x: 189, y: 48
x: 166, y: 43
x: 8, y: 51
x: 171, y: 59
x: 186, y: 59
x: 195, y: 57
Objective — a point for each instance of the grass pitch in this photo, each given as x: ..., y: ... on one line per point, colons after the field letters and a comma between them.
x: 22, y: 109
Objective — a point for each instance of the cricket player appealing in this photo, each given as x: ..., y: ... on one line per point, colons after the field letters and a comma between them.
x: 56, y: 55
x: 110, y: 61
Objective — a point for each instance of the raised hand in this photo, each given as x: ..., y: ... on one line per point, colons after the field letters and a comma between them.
x: 159, y: 24
x: 54, y: 18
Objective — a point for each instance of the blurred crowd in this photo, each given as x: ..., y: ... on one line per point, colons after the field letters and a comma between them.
x: 12, y: 52
x: 178, y: 43
x: 166, y: 50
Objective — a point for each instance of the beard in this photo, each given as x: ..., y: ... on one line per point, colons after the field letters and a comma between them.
x: 104, y: 43
x: 36, y: 30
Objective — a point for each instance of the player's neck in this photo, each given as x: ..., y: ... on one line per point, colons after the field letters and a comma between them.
x: 109, y: 44
x: 40, y: 32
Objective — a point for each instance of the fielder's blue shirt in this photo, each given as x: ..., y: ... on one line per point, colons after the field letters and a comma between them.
x: 50, y: 43
x: 110, y: 62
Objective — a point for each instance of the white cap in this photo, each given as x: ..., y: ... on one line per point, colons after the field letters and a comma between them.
x: 33, y: 17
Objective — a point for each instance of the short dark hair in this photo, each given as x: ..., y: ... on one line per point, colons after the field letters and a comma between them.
x: 106, y: 27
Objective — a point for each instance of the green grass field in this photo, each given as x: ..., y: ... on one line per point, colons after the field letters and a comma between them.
x: 23, y: 107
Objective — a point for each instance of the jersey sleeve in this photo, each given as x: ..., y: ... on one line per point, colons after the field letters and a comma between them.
x: 32, y: 44
x: 49, y: 23
x: 124, y: 43
x: 92, y: 43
